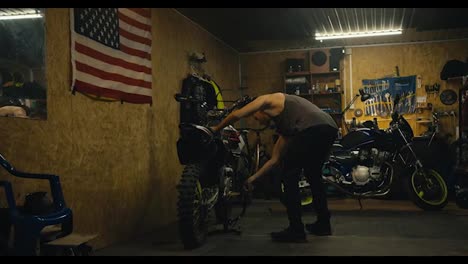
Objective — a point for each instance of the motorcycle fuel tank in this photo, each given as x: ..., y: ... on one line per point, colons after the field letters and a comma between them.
x: 358, y: 138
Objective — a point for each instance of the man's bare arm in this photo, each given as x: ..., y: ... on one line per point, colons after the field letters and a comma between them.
x: 278, y: 150
x: 259, y: 103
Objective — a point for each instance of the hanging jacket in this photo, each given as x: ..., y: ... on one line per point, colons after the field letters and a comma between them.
x: 196, y: 113
x: 219, y: 96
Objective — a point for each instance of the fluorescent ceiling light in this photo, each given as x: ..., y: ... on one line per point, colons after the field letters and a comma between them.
x: 319, y: 36
x: 7, y: 17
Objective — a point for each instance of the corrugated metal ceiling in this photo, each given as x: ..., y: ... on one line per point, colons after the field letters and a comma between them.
x: 18, y: 11
x: 251, y: 29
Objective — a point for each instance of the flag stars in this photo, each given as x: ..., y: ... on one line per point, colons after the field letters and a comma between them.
x: 99, y: 24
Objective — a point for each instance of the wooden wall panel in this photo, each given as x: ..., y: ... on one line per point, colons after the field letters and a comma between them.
x: 263, y: 72
x: 117, y: 162
x: 424, y: 60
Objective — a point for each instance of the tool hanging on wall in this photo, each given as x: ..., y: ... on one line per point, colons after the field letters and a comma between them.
x: 433, y: 89
x: 397, y: 71
x: 448, y: 97
x: 387, y: 101
x: 366, y: 103
x: 411, y: 103
x: 384, y: 114
x: 358, y: 112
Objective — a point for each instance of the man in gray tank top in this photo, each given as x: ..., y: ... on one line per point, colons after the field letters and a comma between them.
x: 306, y: 135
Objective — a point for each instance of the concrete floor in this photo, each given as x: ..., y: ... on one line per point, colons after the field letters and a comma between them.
x: 381, y: 228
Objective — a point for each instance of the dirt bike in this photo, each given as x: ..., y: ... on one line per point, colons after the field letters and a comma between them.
x: 216, y: 166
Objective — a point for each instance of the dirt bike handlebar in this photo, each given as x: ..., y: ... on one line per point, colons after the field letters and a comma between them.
x: 253, y: 129
x: 181, y: 98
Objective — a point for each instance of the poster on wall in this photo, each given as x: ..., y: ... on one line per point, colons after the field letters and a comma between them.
x: 22, y: 63
x: 383, y: 92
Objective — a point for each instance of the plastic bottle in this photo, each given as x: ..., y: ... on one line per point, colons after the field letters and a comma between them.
x: 298, y: 91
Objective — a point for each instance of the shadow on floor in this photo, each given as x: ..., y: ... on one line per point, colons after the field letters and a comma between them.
x: 381, y: 228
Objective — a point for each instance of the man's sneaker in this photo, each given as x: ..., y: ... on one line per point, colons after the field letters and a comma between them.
x: 319, y: 228
x: 289, y: 235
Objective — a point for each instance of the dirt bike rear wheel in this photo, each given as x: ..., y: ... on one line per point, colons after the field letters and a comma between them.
x: 191, y: 214
x: 427, y: 189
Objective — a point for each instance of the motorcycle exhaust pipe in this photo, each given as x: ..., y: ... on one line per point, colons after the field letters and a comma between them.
x: 359, y: 195
x: 363, y: 195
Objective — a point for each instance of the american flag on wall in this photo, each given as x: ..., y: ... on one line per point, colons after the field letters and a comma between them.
x: 111, y: 53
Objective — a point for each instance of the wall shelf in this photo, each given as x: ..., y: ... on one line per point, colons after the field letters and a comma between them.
x: 305, y: 73
x: 325, y: 94
x: 326, y: 73
x: 317, y: 78
x: 295, y: 74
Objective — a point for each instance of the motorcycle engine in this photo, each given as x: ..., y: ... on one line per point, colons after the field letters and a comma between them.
x: 368, y: 169
x: 360, y: 175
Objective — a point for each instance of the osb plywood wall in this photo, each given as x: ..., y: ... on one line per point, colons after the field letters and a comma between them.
x: 425, y: 60
x: 117, y: 162
x: 174, y: 36
x: 263, y: 73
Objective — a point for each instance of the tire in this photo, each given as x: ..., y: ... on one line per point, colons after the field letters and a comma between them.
x: 427, y: 189
x: 255, y: 163
x: 439, y: 156
x: 85, y: 250
x: 455, y: 147
x: 223, y: 207
x: 191, y: 215
x: 265, y: 186
x: 461, y: 198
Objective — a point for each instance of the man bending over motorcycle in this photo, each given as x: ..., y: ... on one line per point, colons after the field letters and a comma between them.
x: 306, y: 134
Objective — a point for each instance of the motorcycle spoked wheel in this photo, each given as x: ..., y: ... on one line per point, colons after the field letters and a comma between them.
x: 427, y: 189
x: 192, y: 213
x: 455, y: 148
x: 461, y: 198
x: 223, y: 207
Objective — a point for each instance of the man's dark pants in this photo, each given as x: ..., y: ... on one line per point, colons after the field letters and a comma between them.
x: 307, y: 150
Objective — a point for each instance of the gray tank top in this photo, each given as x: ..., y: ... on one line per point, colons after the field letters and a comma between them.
x: 298, y: 115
